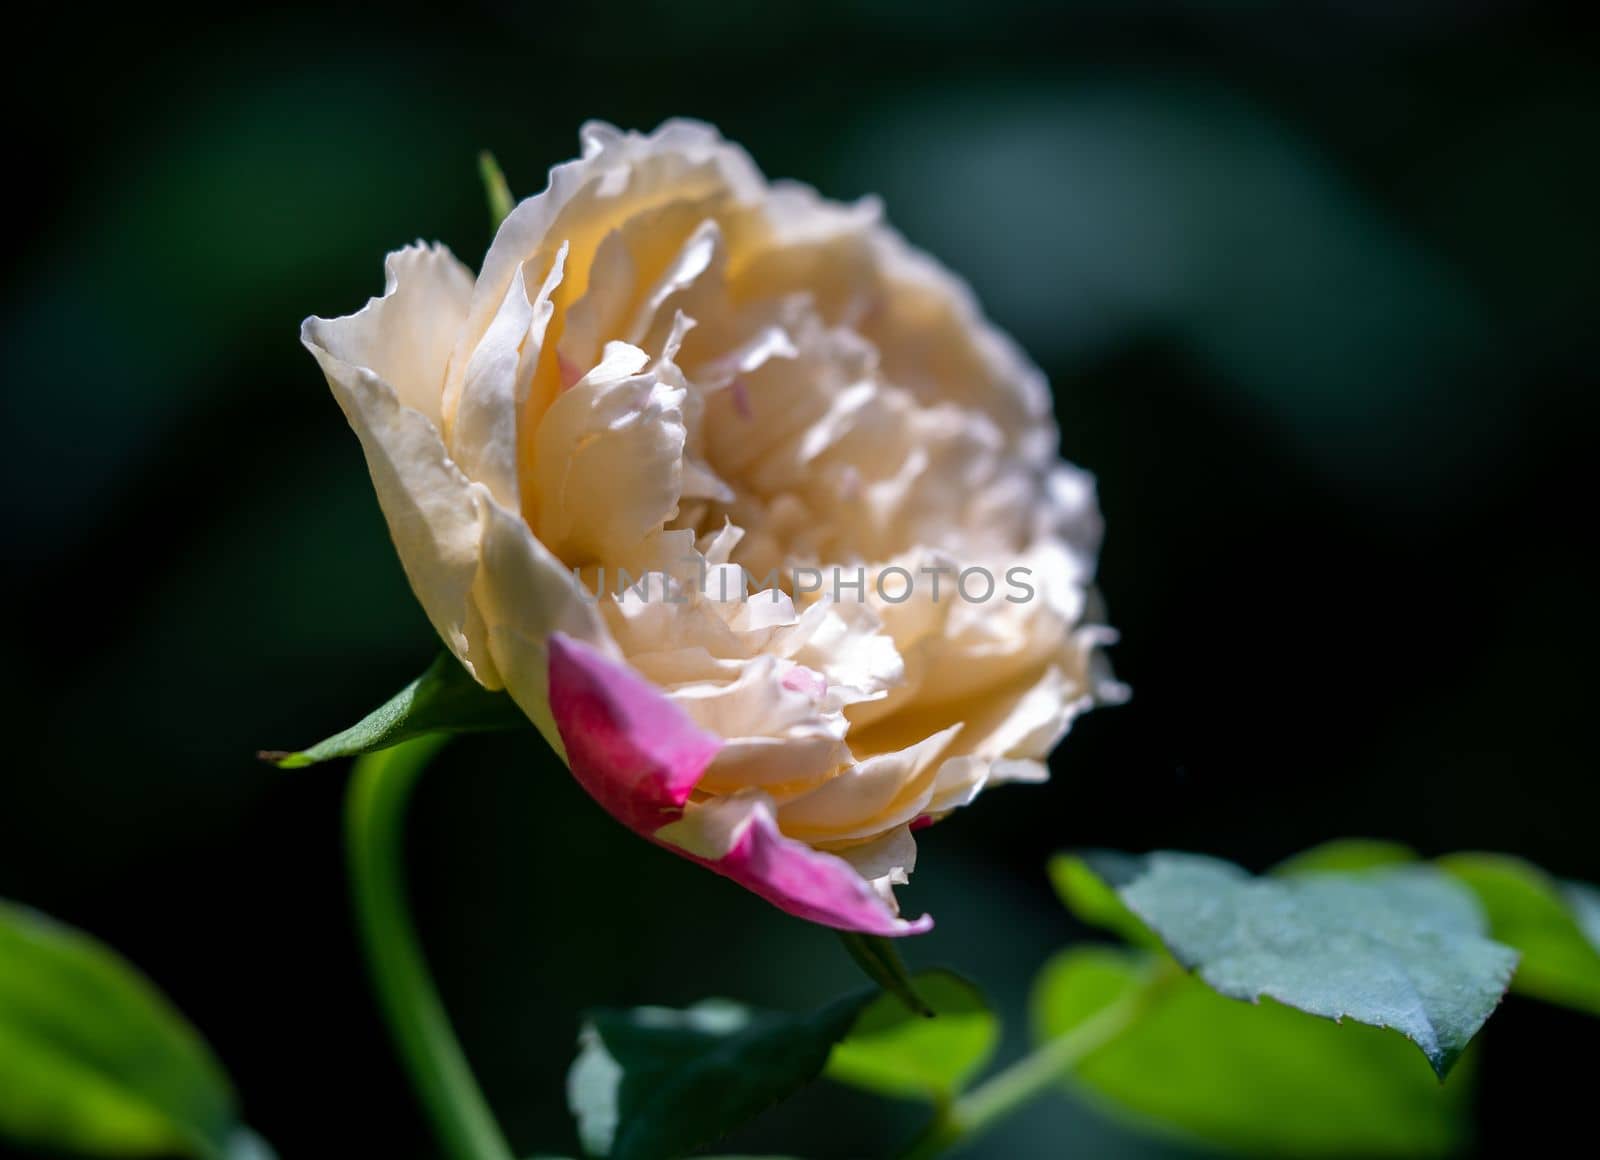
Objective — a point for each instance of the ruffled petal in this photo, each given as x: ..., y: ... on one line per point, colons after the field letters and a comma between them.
x: 620, y: 176
x: 610, y: 462
x: 483, y: 422
x: 871, y: 796
x: 405, y: 336
x: 386, y: 365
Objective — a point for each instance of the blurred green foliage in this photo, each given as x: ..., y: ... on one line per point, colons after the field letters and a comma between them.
x: 897, y: 1052
x: 93, y: 1060
x: 1542, y: 918
x: 1263, y: 1078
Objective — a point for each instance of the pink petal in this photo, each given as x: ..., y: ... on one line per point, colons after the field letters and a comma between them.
x: 636, y: 752
x: 802, y: 881
x: 640, y: 756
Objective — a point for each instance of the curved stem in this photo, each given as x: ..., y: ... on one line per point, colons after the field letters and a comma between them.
x: 375, y: 835
x: 1030, y: 1076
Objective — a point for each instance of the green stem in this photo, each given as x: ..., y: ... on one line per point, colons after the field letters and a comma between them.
x: 1030, y: 1076
x: 879, y: 959
x: 375, y: 832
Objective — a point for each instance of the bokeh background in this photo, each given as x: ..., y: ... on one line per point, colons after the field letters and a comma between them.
x: 1314, y: 284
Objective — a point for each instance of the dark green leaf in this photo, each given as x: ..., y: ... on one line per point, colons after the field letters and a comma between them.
x: 1087, y: 893
x: 1542, y: 918
x: 879, y: 958
x: 444, y: 699
x: 894, y: 1052
x: 1346, y: 854
x: 93, y: 1059
x: 1402, y: 947
x: 1259, y: 1078
x: 655, y: 1082
x: 495, y: 189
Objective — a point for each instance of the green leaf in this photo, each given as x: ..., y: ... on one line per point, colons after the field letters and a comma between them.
x: 93, y: 1059
x: 894, y: 1052
x: 1545, y: 920
x: 1258, y: 1078
x: 1585, y: 902
x: 1345, y: 855
x: 1402, y: 947
x: 655, y: 1082
x: 444, y: 699
x: 495, y: 188
x: 879, y: 958
x: 1089, y: 896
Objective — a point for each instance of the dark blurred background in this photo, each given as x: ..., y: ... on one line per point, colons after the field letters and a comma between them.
x: 1314, y: 284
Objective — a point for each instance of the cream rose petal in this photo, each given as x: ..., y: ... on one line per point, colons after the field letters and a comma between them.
x: 498, y: 377
x: 386, y: 365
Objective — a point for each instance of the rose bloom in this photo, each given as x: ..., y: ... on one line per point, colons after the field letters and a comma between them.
x: 672, y: 368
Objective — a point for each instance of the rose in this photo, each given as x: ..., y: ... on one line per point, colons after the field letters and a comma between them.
x: 672, y: 368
